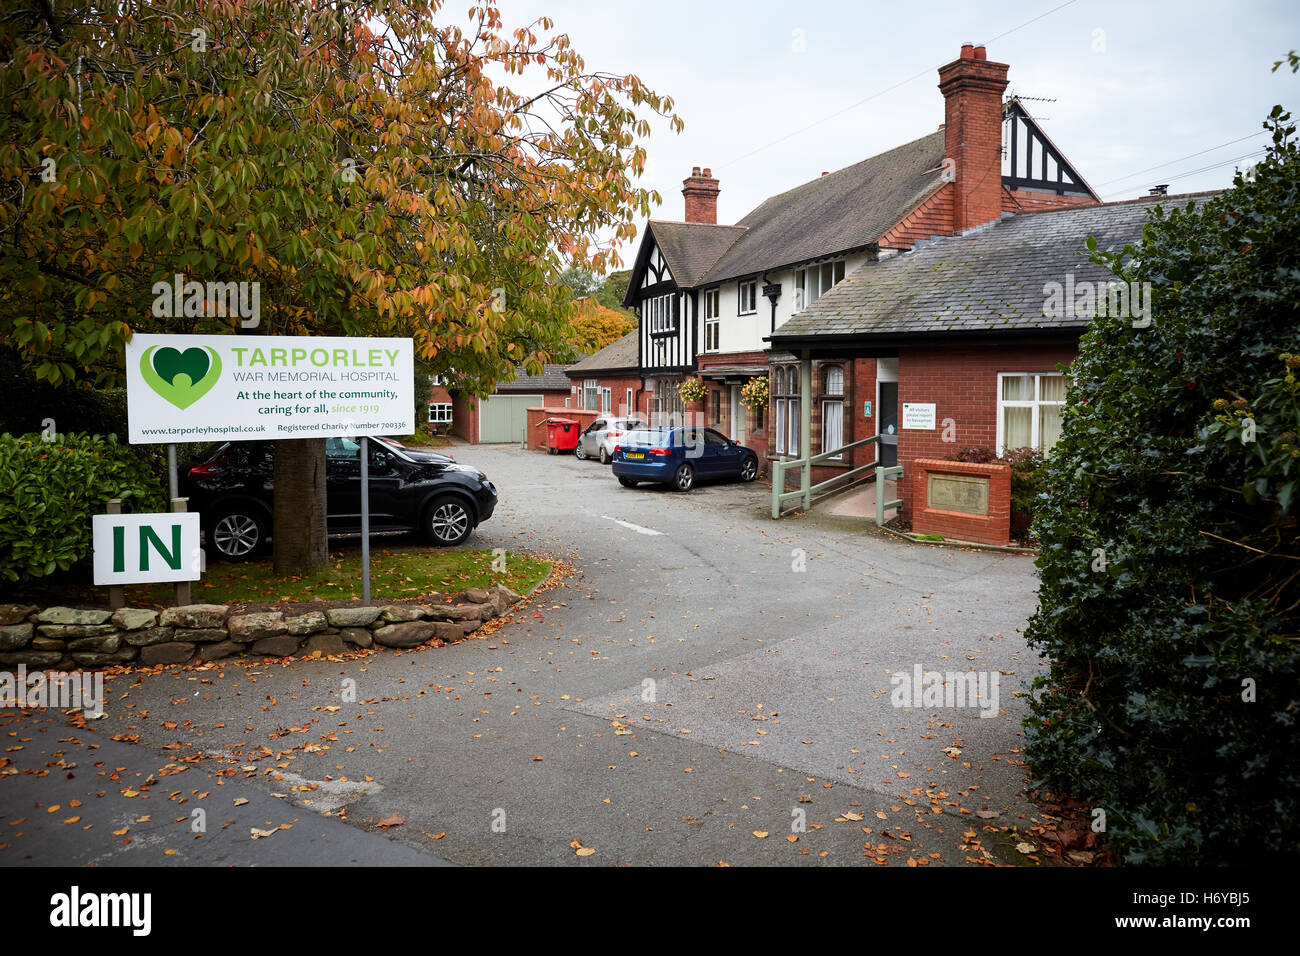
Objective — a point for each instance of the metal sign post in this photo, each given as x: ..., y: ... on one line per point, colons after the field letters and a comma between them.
x: 365, y: 520
x: 171, y: 470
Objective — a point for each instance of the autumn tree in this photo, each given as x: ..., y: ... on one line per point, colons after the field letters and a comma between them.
x: 595, y: 326
x: 379, y: 168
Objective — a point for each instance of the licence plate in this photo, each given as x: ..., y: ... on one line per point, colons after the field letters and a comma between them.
x: 635, y: 455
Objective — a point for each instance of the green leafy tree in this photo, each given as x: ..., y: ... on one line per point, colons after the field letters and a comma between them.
x: 369, y: 164
x: 1168, y: 521
x: 580, y: 282
x: 613, y: 289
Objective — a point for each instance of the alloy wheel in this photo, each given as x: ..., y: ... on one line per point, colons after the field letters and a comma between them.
x: 236, y: 535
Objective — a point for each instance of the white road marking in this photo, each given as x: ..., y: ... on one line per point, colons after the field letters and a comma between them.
x: 635, y: 527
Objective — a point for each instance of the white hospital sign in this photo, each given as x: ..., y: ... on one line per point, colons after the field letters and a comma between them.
x: 136, y: 549
x: 183, y: 388
x: 920, y: 416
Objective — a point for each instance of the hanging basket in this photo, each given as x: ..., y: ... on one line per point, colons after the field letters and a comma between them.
x: 692, y: 390
x: 754, y: 393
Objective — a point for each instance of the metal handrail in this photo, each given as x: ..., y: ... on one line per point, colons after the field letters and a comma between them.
x: 781, y: 466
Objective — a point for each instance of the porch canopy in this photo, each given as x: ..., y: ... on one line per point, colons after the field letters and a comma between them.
x: 732, y: 374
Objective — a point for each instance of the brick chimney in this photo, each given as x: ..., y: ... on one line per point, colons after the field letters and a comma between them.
x: 972, y: 88
x: 701, y: 192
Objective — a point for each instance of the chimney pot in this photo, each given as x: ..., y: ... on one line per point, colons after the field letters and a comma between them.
x: 825, y: 173
x: 701, y: 194
x: 981, y: 53
x: 968, y: 51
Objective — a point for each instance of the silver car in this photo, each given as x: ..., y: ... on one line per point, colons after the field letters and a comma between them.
x: 602, y: 435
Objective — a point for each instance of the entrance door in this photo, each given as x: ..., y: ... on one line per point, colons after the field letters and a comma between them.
x: 737, y: 416
x: 887, y: 410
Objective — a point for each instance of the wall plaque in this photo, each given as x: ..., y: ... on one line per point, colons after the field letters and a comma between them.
x: 965, y: 493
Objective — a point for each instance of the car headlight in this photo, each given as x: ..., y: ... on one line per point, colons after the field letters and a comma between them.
x: 467, y: 469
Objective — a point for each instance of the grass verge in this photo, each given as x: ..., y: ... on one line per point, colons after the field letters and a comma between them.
x: 395, y: 574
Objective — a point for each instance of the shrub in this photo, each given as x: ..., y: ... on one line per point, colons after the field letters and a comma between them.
x: 1168, y: 609
x: 52, y: 490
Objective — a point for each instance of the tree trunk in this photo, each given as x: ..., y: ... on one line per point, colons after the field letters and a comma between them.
x: 299, y: 534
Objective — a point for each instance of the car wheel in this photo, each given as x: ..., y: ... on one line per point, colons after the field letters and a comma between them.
x: 626, y: 482
x: 749, y: 469
x: 604, y: 456
x: 448, y: 521
x: 238, y: 533
x: 578, y: 453
x: 684, y: 478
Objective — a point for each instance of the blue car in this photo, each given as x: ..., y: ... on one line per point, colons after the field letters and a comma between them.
x: 680, y: 456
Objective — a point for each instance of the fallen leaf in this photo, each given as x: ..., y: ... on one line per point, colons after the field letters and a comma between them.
x: 392, y: 820
x: 240, y: 801
x: 761, y: 834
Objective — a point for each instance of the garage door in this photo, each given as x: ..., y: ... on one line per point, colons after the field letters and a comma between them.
x: 503, y: 418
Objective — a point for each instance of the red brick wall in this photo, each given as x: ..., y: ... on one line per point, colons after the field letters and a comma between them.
x: 972, y: 86
x: 464, y: 417
x: 993, y: 528
x: 962, y: 382
x: 536, y: 434
x: 932, y: 218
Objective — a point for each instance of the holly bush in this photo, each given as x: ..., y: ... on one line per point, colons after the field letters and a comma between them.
x: 1169, y: 592
x: 52, y: 488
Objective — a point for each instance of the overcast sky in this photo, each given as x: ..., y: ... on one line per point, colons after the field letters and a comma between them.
x: 773, y: 93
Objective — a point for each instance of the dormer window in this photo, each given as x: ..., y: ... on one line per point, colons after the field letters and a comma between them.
x: 813, y: 282
x: 747, y: 298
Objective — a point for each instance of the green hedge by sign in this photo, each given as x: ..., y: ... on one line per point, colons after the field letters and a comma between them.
x: 52, y: 488
x: 1170, y: 574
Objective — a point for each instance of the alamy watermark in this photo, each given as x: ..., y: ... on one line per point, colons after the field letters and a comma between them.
x: 1085, y: 299
x: 933, y: 689
x: 193, y: 299
x: 63, y: 689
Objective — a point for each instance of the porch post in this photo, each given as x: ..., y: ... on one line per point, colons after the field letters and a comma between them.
x: 805, y: 427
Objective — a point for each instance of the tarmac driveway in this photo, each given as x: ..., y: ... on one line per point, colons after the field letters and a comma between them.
x: 705, y: 675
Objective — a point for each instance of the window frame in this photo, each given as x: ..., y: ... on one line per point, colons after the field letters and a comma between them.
x: 440, y: 421
x: 1035, y: 405
x: 661, y: 313
x: 749, y: 286
x: 839, y: 270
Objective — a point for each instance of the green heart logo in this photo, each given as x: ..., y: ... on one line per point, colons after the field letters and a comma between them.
x: 181, y: 378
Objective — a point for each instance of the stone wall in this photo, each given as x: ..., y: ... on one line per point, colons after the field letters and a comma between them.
x: 63, y: 638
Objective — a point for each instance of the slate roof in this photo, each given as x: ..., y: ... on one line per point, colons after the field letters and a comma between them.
x: 690, y: 248
x: 618, y: 355
x: 847, y: 209
x: 551, y: 380
x: 988, y: 280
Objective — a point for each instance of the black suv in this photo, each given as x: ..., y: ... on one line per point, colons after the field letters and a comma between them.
x: 409, y: 491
